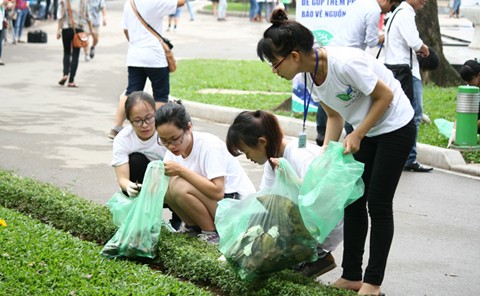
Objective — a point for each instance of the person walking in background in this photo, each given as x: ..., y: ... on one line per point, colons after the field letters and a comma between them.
x: 21, y: 10
x: 3, y: 4
x: 258, y: 135
x: 97, y: 11
x: 136, y: 145
x: 55, y: 9
x: 201, y: 171
x: 351, y: 84
x: 470, y: 72
x: 214, y: 7
x: 78, y: 11
x: 402, y: 44
x: 455, y: 12
x: 359, y: 29
x: 191, y: 11
x: 173, y: 18
x: 222, y: 10
x: 253, y: 11
x: 145, y: 56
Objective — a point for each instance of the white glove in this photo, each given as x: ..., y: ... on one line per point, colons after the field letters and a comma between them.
x: 133, y: 189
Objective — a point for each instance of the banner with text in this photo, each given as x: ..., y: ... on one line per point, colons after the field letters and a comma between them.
x: 323, y: 18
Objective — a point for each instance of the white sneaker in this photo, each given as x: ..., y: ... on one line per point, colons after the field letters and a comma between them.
x: 87, y: 58
x: 210, y: 237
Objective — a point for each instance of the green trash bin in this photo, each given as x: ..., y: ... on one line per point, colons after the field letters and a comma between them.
x: 468, y: 99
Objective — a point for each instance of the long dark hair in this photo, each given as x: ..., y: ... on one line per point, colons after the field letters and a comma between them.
x: 138, y: 97
x: 469, y: 69
x: 173, y: 112
x: 249, y: 126
x: 283, y: 37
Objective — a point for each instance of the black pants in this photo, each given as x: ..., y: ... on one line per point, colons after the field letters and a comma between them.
x: 70, y: 54
x: 138, y: 163
x: 384, y: 157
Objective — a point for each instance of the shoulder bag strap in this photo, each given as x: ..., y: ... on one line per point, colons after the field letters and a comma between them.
x: 167, y: 46
x: 388, y: 30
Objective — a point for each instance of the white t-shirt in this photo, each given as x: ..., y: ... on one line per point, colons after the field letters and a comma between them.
x: 299, y: 158
x: 359, y: 26
x: 402, y: 38
x: 127, y: 142
x: 210, y: 158
x: 351, y: 78
x: 144, y: 49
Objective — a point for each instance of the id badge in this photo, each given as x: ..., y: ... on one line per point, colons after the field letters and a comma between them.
x: 302, y: 140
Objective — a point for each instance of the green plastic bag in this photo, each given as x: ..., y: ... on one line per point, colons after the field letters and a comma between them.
x: 264, y: 232
x: 332, y: 182
x: 120, y: 205
x: 140, y: 230
x: 444, y: 126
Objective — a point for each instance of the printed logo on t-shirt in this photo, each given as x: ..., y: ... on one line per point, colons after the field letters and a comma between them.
x: 346, y: 96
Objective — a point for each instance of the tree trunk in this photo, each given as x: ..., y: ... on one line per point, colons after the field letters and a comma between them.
x: 429, y: 29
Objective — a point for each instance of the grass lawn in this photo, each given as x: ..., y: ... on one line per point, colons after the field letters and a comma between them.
x: 37, y: 259
x: 193, y: 76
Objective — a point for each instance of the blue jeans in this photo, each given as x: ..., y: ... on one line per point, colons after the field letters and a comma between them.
x: 19, y: 23
x: 190, y: 10
x: 253, y: 9
x: 160, y: 78
x: 417, y: 105
x: 222, y: 9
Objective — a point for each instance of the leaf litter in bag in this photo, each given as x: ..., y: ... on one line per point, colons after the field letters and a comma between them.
x: 264, y: 233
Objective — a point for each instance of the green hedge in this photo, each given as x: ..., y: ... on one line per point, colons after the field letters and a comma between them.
x: 179, y: 255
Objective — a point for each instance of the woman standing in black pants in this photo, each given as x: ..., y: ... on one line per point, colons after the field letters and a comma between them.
x: 352, y: 85
x: 77, y: 11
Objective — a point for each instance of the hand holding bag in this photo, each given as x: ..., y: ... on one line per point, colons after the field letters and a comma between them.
x: 166, y: 44
x: 80, y: 39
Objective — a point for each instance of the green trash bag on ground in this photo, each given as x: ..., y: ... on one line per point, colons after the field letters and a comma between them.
x: 140, y: 230
x: 332, y: 182
x: 119, y: 205
x: 264, y: 233
x: 444, y: 126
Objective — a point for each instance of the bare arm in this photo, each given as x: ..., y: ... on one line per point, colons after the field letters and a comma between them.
x: 334, y: 127
x: 104, y: 15
x: 214, y: 188
x: 123, y: 175
x: 181, y: 3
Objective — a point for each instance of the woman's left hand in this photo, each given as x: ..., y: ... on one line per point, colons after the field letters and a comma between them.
x: 352, y: 143
x: 275, y: 162
x: 172, y: 168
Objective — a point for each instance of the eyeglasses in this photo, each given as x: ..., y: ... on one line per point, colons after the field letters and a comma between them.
x: 140, y: 122
x: 275, y: 67
x: 174, y: 142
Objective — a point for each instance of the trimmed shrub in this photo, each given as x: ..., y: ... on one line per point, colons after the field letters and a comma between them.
x: 178, y: 255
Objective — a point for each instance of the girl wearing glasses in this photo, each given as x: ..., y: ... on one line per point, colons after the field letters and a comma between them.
x: 201, y: 171
x: 259, y: 136
x: 136, y: 145
x: 352, y: 85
